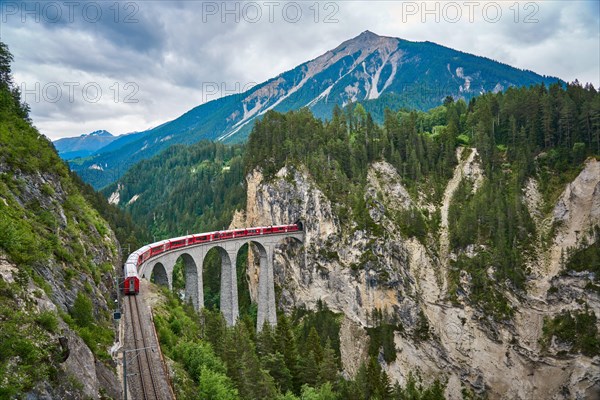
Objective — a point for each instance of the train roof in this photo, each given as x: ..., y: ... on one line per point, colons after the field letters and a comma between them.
x: 130, y: 270
x: 181, y: 238
x: 133, y: 256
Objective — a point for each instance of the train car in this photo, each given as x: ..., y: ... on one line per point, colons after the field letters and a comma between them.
x: 240, y: 233
x: 159, y: 248
x: 253, y: 231
x: 140, y: 256
x: 178, y: 242
x: 143, y: 255
x: 131, y: 285
x: 226, y: 235
x: 201, y: 238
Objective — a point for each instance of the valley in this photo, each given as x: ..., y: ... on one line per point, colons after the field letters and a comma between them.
x: 390, y: 250
x: 375, y: 70
x: 391, y: 220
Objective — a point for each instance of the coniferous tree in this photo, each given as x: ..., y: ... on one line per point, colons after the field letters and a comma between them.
x: 286, y: 345
x: 328, y: 370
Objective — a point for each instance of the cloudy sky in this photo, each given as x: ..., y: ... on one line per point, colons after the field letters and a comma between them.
x: 132, y: 65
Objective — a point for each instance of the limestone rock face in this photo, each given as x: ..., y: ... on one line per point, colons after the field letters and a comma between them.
x: 355, y: 272
x: 60, y: 281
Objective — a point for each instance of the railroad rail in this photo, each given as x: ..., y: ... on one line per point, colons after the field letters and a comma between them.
x: 144, y: 359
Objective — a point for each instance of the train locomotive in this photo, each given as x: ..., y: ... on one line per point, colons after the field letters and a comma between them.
x: 132, y: 280
x: 131, y: 284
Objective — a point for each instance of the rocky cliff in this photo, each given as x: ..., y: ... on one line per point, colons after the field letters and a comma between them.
x: 356, y: 270
x: 46, y: 297
x: 57, y: 268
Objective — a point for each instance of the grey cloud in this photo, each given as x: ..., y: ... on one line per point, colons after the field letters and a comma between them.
x: 173, y: 51
x: 132, y: 24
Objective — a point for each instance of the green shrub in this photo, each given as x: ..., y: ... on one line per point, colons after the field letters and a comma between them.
x: 215, y: 385
x: 577, y: 328
x: 587, y: 258
x: 47, y: 190
x: 382, y: 337
x: 412, y: 223
x: 82, y: 311
x: 48, y: 321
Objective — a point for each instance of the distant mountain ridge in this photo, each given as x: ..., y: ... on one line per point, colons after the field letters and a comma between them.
x: 381, y: 71
x: 84, y: 145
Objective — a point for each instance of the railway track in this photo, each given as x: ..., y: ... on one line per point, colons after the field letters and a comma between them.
x: 147, y: 379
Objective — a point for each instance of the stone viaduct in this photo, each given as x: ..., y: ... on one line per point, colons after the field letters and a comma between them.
x: 193, y: 258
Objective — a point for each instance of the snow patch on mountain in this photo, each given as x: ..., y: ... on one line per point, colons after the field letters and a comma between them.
x: 114, y: 199
x: 388, y: 55
x: 461, y: 74
x: 364, y: 45
x: 352, y: 92
x: 133, y: 199
x: 99, y: 133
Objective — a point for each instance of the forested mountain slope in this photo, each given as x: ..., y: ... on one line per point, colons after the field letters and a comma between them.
x: 380, y: 71
x: 184, y: 189
x: 459, y: 244
x: 57, y: 267
x: 479, y: 264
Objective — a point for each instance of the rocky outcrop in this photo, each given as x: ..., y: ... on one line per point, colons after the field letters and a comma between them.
x: 466, y: 169
x: 82, y: 375
x: 355, y: 271
x: 354, y: 346
x: 79, y: 257
x: 574, y: 215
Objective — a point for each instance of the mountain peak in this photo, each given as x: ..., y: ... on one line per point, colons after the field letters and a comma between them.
x: 368, y: 33
x: 367, y: 42
x: 365, y: 68
x: 100, y: 133
x: 84, y: 145
x: 368, y: 37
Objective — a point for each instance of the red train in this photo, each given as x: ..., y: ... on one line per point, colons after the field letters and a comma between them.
x: 138, y: 257
x: 132, y: 280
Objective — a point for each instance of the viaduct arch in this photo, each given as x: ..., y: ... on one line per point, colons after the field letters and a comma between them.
x: 193, y: 259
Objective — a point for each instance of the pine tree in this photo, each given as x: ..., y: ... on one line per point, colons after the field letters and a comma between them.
x: 286, y: 345
x: 274, y: 363
x: 328, y: 370
x: 243, y: 366
x: 309, y: 369
x: 265, y: 341
x: 313, y: 344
